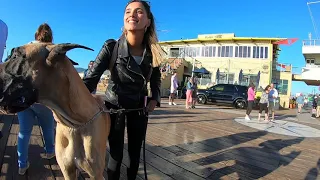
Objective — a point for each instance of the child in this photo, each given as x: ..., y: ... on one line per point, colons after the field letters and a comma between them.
x: 264, y: 104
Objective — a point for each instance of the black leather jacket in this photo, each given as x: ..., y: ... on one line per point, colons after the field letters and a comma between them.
x: 127, y: 86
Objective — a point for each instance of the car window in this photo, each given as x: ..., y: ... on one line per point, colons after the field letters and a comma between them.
x: 218, y: 88
x: 242, y: 88
x: 229, y: 88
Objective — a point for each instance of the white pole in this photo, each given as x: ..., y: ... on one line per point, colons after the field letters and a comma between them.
x: 193, y: 64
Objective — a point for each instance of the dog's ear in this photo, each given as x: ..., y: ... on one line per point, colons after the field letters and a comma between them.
x: 58, y: 52
x: 73, y: 62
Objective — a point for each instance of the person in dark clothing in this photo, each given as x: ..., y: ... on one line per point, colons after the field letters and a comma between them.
x: 89, y: 67
x: 138, y: 59
x: 85, y: 74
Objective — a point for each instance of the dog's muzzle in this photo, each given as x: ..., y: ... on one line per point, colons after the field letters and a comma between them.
x: 14, y: 104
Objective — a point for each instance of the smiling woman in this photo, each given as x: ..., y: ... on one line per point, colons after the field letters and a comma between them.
x: 137, y: 56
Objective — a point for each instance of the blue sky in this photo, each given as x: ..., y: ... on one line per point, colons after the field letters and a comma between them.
x: 90, y: 23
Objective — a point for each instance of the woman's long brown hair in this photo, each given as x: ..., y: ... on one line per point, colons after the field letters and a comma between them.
x: 44, y: 33
x: 151, y: 37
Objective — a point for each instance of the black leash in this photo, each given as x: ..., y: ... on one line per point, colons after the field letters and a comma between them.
x: 121, y: 113
x: 144, y: 147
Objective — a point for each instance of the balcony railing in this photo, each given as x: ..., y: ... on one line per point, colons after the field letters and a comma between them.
x: 311, y: 42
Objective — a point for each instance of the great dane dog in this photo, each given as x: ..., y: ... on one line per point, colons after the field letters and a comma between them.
x: 42, y: 73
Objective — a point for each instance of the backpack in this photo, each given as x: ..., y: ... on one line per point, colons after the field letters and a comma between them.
x: 114, y: 54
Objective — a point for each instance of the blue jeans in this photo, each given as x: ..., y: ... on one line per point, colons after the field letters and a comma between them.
x: 27, y: 119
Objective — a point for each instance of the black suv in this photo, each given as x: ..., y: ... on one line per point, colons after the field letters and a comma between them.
x: 235, y: 95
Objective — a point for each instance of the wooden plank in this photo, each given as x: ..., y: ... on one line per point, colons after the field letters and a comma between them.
x: 9, y: 169
x: 189, y: 155
x: 194, y: 126
x: 229, y: 156
x: 56, y: 169
x: 167, y: 167
x: 5, y: 126
x: 217, y: 127
x: 212, y: 149
x: 201, y: 171
x: 152, y: 172
x: 54, y: 164
x: 36, y: 156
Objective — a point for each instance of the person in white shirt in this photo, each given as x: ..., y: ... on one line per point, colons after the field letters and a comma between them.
x: 273, y: 95
x: 173, y: 88
x: 3, y: 38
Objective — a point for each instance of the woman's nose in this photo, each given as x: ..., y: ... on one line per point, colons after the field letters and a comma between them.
x: 133, y: 13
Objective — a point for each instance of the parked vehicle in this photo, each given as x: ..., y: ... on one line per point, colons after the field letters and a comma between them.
x: 235, y: 95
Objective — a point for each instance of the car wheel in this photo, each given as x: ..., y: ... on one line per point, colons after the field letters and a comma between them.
x: 240, y: 104
x: 202, y: 99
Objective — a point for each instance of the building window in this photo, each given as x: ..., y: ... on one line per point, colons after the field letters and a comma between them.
x: 190, y: 52
x: 181, y: 52
x: 214, y: 48
x: 243, y: 51
x: 310, y: 61
x: 224, y: 79
x: 225, y: 51
x: 174, y: 52
x: 260, y: 52
x: 208, y: 51
x: 283, y: 87
x: 198, y: 51
x: 249, y: 78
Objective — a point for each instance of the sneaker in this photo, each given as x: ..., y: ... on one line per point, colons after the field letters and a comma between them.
x: 170, y: 103
x: 247, y: 118
x: 174, y: 103
x: 50, y: 155
x: 22, y: 171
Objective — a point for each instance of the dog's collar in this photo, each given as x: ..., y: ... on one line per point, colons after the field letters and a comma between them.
x: 72, y: 125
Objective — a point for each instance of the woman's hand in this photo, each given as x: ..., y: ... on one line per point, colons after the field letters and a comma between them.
x: 151, y: 105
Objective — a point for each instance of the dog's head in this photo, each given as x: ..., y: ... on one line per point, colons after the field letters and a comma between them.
x: 31, y: 71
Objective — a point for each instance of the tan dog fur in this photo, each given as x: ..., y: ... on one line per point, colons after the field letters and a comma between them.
x: 61, y: 89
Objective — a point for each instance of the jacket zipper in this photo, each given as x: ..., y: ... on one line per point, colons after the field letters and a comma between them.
x: 144, y: 79
x: 128, y: 76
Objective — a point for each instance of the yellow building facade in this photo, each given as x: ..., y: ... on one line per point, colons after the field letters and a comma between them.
x: 228, y: 54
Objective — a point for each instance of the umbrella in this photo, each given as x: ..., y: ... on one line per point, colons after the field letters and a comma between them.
x: 202, y: 71
x: 218, y: 75
x: 258, y: 78
x: 240, y: 76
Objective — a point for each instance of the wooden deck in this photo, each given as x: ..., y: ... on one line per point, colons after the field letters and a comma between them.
x: 188, y: 144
